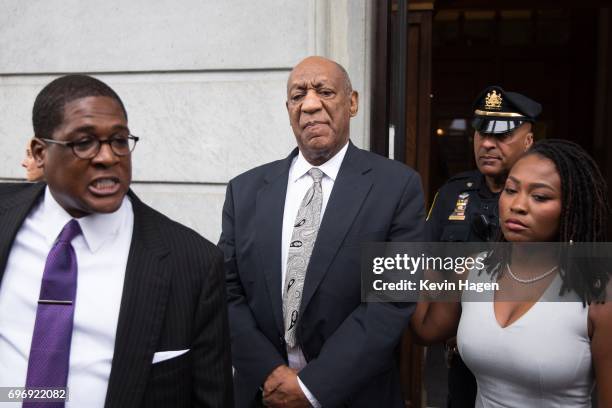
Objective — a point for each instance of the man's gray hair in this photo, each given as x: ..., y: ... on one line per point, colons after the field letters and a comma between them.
x: 348, y: 87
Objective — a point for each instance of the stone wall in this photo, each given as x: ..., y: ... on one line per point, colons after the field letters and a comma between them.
x: 203, y: 82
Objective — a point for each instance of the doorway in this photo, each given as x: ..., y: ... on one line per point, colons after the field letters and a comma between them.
x: 432, y: 58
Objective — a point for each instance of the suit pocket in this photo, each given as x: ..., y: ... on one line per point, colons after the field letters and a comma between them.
x: 174, y: 367
x: 170, y: 383
x: 161, y: 356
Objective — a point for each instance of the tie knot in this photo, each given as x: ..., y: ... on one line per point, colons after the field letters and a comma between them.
x: 70, y: 230
x: 316, y: 174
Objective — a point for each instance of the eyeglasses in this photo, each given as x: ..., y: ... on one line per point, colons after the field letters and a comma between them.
x: 89, y: 147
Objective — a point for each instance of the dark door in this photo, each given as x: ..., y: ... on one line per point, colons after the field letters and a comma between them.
x: 548, y: 54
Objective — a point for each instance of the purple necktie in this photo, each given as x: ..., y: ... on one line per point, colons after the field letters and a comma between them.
x: 50, y: 351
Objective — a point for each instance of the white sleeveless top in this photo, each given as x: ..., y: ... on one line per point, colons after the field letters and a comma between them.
x: 541, y: 360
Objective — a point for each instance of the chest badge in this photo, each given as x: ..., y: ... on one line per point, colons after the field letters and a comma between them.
x: 458, y: 213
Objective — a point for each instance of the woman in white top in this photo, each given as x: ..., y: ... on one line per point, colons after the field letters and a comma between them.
x: 537, y: 353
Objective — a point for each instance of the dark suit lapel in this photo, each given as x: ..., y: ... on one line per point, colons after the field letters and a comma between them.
x: 143, y: 303
x: 13, y: 213
x: 350, y: 190
x: 269, y: 223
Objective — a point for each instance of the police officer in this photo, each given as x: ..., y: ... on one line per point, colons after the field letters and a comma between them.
x: 465, y: 208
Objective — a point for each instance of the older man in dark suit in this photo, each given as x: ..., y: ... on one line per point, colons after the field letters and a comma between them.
x: 99, y: 292
x: 292, y: 231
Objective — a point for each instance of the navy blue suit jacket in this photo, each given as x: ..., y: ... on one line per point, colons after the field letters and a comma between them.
x: 351, y: 347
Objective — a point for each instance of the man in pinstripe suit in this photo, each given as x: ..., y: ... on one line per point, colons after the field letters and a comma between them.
x: 147, y: 323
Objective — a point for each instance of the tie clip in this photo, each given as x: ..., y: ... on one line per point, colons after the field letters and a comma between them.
x: 54, y: 302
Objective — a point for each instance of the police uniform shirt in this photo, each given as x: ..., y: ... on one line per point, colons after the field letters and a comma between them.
x: 464, y: 210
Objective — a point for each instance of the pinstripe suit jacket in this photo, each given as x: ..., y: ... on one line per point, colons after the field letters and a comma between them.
x: 173, y: 299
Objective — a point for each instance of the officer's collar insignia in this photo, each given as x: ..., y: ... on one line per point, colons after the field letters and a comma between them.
x: 460, y: 207
x: 493, y: 100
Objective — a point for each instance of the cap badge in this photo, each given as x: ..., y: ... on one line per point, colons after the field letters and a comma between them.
x: 493, y: 100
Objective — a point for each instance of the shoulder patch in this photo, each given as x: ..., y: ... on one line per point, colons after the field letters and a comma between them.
x: 432, y: 206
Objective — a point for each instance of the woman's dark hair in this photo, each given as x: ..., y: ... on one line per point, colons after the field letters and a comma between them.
x: 584, y: 214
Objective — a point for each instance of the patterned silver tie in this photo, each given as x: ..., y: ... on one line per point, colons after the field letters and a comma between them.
x: 304, y: 235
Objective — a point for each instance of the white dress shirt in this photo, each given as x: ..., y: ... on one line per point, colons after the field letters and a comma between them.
x: 102, y: 253
x: 297, y: 185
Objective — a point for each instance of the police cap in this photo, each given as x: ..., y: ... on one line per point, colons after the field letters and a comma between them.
x: 497, y: 111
